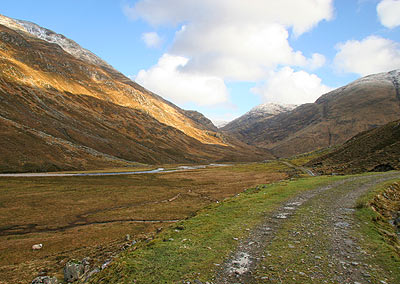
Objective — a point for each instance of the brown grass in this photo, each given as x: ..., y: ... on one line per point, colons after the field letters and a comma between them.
x: 76, y: 217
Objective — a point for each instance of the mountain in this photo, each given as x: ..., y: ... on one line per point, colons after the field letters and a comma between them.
x: 220, y: 123
x: 334, y: 118
x: 373, y: 150
x: 256, y: 115
x: 62, y: 107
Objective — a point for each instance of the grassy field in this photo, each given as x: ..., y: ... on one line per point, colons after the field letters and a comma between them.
x: 196, y: 246
x: 76, y: 217
x: 377, y: 236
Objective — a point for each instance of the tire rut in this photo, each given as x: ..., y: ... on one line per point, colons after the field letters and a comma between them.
x: 335, y: 201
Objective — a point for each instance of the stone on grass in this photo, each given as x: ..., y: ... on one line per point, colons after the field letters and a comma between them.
x: 45, y: 280
x: 73, y: 271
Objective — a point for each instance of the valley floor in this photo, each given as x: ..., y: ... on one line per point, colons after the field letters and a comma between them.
x: 304, y: 231
x: 246, y: 223
x: 89, y: 216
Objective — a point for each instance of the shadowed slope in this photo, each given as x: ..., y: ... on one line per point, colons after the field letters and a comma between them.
x: 374, y: 150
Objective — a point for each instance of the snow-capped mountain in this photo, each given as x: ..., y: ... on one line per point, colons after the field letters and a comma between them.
x: 66, y: 44
x: 332, y: 119
x: 220, y: 123
x: 257, y: 114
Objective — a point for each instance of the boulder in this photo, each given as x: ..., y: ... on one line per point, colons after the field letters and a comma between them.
x: 45, y: 280
x: 73, y: 271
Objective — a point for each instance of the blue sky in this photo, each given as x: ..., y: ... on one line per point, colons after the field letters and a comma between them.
x: 224, y: 57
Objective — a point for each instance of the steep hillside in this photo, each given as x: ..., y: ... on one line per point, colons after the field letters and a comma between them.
x: 374, y: 150
x: 61, y: 107
x: 334, y: 118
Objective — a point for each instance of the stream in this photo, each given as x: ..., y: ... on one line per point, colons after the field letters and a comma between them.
x: 158, y: 170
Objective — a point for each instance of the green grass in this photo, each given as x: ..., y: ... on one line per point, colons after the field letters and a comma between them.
x: 377, y: 235
x: 195, y: 247
x: 302, y: 159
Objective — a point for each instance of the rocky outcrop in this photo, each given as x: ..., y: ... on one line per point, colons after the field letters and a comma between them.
x: 73, y: 271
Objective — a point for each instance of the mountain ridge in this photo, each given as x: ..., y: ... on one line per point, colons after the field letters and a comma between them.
x: 334, y: 117
x: 80, y: 105
x: 255, y: 115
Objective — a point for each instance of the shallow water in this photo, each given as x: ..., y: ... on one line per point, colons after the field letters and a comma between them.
x: 159, y: 170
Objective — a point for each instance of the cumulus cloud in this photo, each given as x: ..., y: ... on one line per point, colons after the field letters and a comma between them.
x: 152, y: 39
x: 373, y: 54
x: 167, y: 80
x: 389, y: 13
x: 302, y: 15
x: 242, y: 53
x: 233, y: 39
x: 290, y: 87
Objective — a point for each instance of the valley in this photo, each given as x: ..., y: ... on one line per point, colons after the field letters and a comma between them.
x: 104, y: 181
x: 77, y: 217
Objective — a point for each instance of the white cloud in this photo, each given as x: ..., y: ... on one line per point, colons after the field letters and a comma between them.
x: 233, y: 39
x: 167, y: 80
x: 290, y: 87
x: 302, y: 15
x: 242, y: 53
x: 316, y: 61
x: 389, y: 13
x: 152, y: 39
x: 371, y: 55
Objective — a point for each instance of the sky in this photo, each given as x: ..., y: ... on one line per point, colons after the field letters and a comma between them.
x: 224, y: 57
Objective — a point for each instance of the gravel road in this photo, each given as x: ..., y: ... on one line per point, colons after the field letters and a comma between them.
x: 309, y: 239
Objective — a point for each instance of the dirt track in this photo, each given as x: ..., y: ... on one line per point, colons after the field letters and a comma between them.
x: 308, y: 240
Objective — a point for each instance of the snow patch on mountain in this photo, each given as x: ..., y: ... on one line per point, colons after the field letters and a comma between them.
x: 269, y: 109
x: 257, y: 114
x: 220, y: 123
x: 66, y: 44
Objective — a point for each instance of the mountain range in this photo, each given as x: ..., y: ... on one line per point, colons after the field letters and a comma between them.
x: 331, y: 120
x: 64, y: 108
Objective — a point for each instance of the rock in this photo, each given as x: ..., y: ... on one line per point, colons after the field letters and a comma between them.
x: 105, y: 264
x: 45, y: 280
x: 73, y: 271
